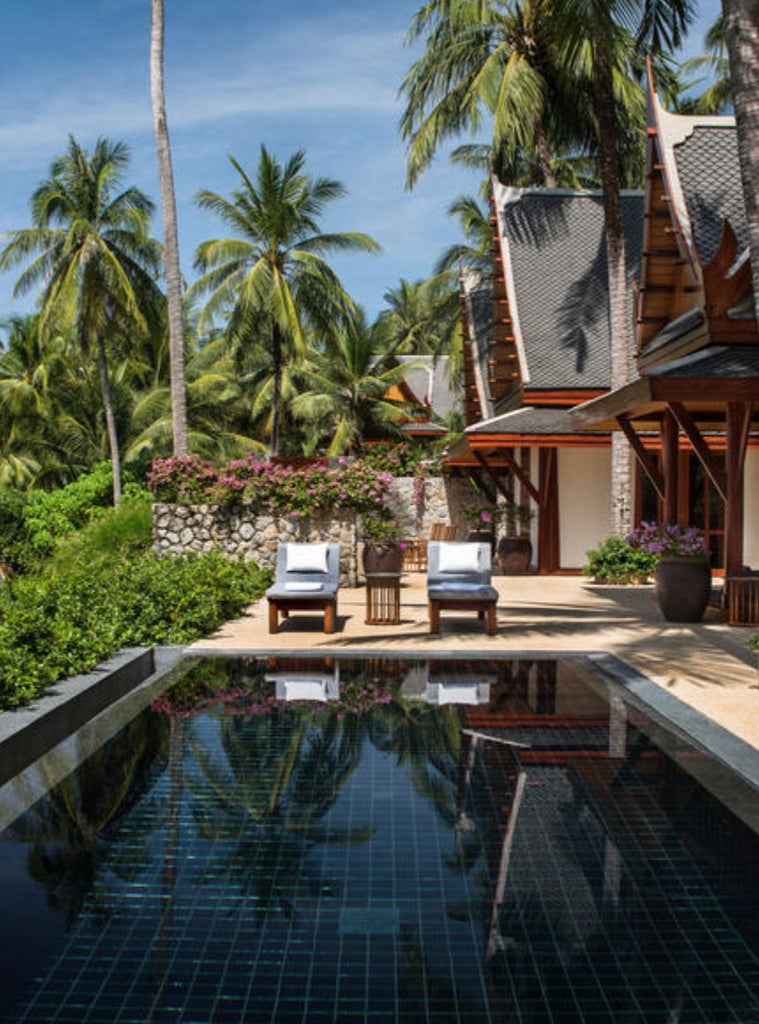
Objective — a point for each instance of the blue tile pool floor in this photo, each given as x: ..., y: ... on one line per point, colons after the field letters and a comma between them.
x: 241, y: 854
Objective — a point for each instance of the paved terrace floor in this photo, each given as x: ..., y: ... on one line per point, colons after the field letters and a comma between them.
x: 708, y: 665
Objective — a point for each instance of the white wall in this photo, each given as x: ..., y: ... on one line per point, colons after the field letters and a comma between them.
x: 584, y: 503
x: 751, y: 510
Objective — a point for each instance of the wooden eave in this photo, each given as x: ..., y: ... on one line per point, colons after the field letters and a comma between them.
x: 560, y: 396
x: 670, y: 282
x: 506, y: 440
x: 504, y: 372
x: 645, y: 401
x: 473, y: 411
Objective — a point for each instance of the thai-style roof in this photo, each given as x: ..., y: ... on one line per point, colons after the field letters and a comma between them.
x: 426, y: 382
x: 477, y: 295
x: 695, y: 250
x: 528, y: 420
x: 553, y: 253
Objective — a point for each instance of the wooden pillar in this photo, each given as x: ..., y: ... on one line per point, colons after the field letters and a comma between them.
x: 736, y: 434
x: 669, y: 450
x: 548, y: 512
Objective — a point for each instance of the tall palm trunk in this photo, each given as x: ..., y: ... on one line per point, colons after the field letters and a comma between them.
x: 742, y: 32
x: 110, y: 420
x: 170, y: 233
x: 619, y: 325
x: 276, y: 352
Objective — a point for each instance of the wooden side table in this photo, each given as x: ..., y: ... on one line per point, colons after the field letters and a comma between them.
x: 383, y: 599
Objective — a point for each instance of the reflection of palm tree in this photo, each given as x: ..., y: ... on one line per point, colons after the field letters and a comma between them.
x: 280, y: 776
x: 429, y: 739
x: 68, y: 829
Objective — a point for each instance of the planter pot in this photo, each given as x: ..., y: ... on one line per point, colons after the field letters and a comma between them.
x: 514, y: 555
x: 482, y: 537
x: 683, y: 586
x: 382, y: 556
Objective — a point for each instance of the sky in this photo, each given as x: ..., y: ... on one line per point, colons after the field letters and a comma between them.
x: 238, y: 74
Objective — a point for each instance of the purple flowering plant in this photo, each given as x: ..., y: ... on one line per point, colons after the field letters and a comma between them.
x: 669, y: 539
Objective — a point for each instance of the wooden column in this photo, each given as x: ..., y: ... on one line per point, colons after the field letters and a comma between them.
x: 737, y: 423
x: 548, y: 512
x: 669, y: 449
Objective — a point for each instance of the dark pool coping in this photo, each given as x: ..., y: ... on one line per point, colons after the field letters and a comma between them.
x: 694, y: 726
x: 29, y: 732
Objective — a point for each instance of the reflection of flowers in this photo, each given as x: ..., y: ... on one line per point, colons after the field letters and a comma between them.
x: 257, y: 696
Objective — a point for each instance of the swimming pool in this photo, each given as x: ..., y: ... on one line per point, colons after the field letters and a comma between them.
x: 316, y: 840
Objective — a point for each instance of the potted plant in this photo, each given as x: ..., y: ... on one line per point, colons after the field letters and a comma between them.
x: 482, y: 519
x: 514, y: 551
x: 383, y: 549
x: 682, y: 575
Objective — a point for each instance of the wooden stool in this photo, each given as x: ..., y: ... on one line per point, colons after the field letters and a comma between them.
x: 383, y: 599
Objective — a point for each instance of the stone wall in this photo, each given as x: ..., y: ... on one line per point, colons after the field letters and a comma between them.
x: 241, y: 532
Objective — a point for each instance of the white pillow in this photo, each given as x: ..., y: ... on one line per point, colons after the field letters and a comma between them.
x: 306, y: 558
x: 458, y: 558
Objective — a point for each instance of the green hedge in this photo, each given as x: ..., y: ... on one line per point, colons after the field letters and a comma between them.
x: 66, y: 619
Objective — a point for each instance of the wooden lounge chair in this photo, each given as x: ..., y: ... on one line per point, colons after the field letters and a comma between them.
x: 307, y: 579
x: 458, y: 579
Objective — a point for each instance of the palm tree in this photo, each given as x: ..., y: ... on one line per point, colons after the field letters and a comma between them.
x: 742, y: 37
x: 593, y: 31
x: 347, y: 386
x: 271, y: 279
x: 421, y: 317
x: 170, y: 233
x: 93, y: 257
x: 717, y: 98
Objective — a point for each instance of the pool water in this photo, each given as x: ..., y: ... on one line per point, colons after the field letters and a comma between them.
x: 380, y: 840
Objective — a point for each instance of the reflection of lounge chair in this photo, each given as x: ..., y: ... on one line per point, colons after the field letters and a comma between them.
x: 306, y: 685
x: 458, y: 579
x: 307, y: 580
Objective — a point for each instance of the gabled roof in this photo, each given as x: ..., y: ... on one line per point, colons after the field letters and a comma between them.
x: 426, y: 383
x: 554, y: 260
x: 695, y: 258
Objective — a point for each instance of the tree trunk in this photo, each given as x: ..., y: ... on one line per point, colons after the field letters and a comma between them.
x: 619, y: 324
x: 110, y: 421
x: 170, y: 234
x: 742, y: 31
x: 276, y: 352
x: 544, y: 156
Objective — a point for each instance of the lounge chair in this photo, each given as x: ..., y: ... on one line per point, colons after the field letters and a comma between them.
x: 458, y: 579
x: 307, y: 579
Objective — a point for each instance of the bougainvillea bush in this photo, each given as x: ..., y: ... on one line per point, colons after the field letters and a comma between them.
x: 350, y: 485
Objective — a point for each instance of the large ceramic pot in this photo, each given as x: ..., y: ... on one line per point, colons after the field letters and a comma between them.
x: 514, y: 555
x: 683, y: 586
x: 382, y: 556
x: 482, y: 537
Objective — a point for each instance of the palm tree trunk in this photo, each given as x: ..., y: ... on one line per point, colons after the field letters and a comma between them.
x: 110, y: 421
x: 742, y: 31
x: 619, y: 325
x: 544, y: 156
x: 276, y: 351
x: 170, y: 233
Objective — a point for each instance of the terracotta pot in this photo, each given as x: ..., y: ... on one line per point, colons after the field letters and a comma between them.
x: 382, y: 556
x: 683, y: 586
x: 514, y: 555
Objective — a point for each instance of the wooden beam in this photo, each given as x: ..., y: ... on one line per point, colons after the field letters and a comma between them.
x: 647, y: 464
x: 738, y: 422
x: 700, y: 447
x: 671, y: 467
x: 500, y: 486
x: 516, y: 469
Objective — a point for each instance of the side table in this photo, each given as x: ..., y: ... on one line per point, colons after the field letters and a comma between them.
x: 383, y: 598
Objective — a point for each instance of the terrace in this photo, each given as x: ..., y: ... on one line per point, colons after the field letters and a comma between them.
x: 708, y: 666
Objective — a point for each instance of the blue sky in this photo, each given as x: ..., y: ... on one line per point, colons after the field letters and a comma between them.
x: 238, y: 74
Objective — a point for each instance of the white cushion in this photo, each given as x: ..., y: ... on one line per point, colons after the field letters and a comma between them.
x: 458, y: 558
x: 306, y: 558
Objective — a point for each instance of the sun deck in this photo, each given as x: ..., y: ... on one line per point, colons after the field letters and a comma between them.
x: 708, y: 665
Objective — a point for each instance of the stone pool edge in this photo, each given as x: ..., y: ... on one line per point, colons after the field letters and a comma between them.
x: 29, y: 732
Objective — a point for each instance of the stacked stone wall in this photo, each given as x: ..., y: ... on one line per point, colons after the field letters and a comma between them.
x: 242, y: 532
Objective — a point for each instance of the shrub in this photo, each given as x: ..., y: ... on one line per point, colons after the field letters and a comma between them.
x: 49, y: 516
x: 350, y: 486
x: 617, y: 561
x: 13, y: 536
x: 65, y: 620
